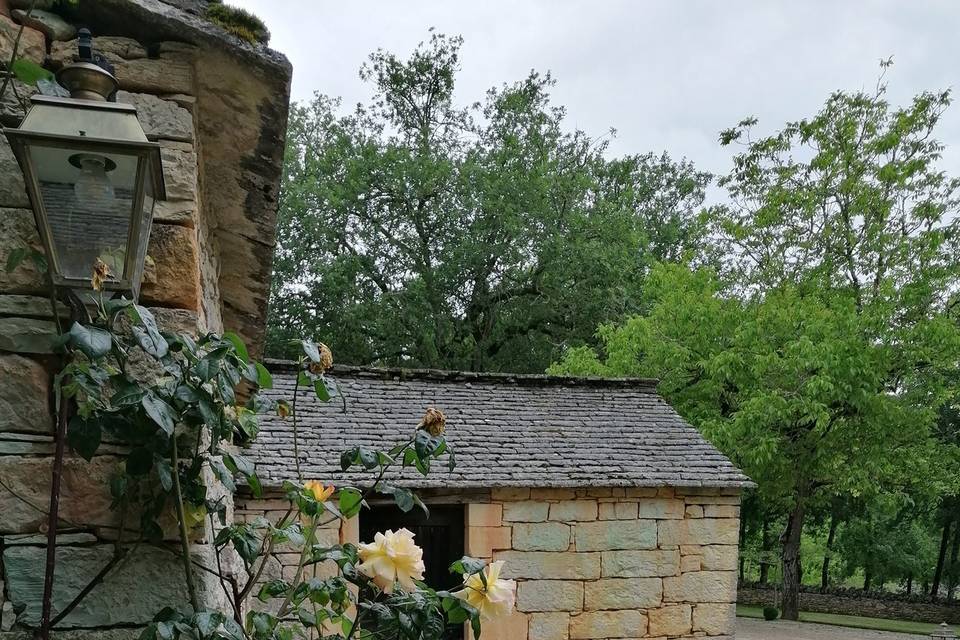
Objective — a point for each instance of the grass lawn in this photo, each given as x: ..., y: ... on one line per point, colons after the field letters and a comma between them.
x: 858, y: 622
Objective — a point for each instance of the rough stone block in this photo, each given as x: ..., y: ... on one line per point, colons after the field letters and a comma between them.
x: 484, y: 515
x: 33, y: 46
x: 120, y: 600
x: 545, y: 565
x: 694, y: 511
x: 17, y: 231
x: 173, y: 278
x: 574, y: 511
x: 618, y: 511
x: 183, y: 212
x: 27, y: 335
x: 701, y: 586
x: 525, y: 511
x: 549, y: 626
x: 552, y: 494
x: 161, y: 119
x: 13, y: 193
x: 691, y: 563
x: 541, y: 536
x: 85, y: 493
x: 609, y: 535
x: 550, y: 595
x: 509, y: 493
x: 46, y: 22
x: 623, y: 593
x: 512, y: 627
x: 15, y: 101
x: 179, y: 171
x: 712, y: 531
x: 714, y: 619
x: 24, y: 396
x: 721, y: 511
x: 719, y: 557
x: 670, y: 620
x: 640, y: 492
x: 654, y: 563
x: 608, y: 624
x: 662, y: 508
x: 172, y: 72
x: 481, y: 542
x: 671, y: 533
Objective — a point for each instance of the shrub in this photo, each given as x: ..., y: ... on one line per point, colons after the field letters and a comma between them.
x: 771, y: 613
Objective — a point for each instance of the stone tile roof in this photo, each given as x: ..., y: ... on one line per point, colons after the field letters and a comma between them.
x: 507, y: 431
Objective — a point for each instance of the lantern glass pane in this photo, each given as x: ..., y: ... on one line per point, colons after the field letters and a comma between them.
x: 146, y: 220
x: 88, y: 200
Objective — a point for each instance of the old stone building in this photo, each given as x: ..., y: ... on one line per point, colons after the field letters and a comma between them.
x: 615, y: 516
x: 217, y: 105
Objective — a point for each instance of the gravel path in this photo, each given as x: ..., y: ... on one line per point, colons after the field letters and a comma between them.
x: 750, y: 629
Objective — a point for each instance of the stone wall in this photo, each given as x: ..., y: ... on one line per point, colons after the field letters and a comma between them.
x: 182, y: 292
x: 859, y: 605
x: 592, y: 564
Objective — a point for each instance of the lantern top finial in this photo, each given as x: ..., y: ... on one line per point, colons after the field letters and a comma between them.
x: 88, y: 78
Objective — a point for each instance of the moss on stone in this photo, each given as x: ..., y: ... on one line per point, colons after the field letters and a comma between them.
x: 238, y: 22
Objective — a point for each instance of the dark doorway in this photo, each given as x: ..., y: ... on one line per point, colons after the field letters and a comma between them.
x: 440, y: 536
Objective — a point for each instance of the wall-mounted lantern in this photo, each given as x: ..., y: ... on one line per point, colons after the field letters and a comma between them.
x: 92, y: 177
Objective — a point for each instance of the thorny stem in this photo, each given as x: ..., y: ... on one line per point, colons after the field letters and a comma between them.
x: 238, y: 616
x: 266, y: 545
x: 307, y: 550
x: 184, y: 535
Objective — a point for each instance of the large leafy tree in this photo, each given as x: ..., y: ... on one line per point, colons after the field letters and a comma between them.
x: 820, y: 357
x: 485, y: 238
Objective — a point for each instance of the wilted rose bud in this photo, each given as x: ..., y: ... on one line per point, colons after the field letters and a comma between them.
x: 433, y: 422
x: 283, y: 409
x: 100, y: 274
x: 326, y: 360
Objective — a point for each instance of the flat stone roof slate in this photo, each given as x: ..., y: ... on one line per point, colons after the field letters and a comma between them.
x: 507, y: 431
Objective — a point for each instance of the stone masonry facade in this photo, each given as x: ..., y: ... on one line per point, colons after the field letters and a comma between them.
x: 592, y: 564
x: 172, y: 84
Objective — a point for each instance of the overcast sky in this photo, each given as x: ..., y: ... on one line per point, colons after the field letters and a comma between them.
x: 667, y: 74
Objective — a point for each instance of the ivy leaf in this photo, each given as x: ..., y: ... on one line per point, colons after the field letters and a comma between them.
x: 84, y: 436
x: 91, y: 341
x: 160, y: 412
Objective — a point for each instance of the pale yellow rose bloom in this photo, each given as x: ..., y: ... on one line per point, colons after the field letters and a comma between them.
x: 493, y: 601
x: 392, y: 558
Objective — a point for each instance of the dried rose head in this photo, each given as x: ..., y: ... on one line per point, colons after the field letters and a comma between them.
x: 101, y: 272
x: 433, y: 422
x: 326, y: 360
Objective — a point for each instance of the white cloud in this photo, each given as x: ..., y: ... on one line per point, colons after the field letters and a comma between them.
x: 667, y: 74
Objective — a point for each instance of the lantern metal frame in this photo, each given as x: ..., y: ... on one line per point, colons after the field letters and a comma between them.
x: 149, y: 166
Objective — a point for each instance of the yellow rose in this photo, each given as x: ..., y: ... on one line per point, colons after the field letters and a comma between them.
x: 493, y: 601
x: 392, y: 558
x: 320, y: 492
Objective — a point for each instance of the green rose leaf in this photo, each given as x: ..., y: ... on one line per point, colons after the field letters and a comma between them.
x: 160, y: 412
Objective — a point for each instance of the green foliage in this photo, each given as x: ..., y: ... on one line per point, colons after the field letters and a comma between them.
x: 238, y: 22
x: 424, y: 234
x: 175, y: 402
x: 821, y: 352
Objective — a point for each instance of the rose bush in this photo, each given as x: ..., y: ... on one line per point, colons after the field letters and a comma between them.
x: 181, y: 404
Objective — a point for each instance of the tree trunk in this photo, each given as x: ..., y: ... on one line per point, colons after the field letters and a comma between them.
x: 825, y: 569
x: 764, y: 549
x: 941, y: 559
x: 867, y: 579
x: 952, y: 568
x: 910, y: 584
x: 790, y: 556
